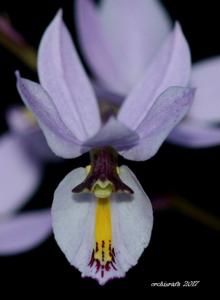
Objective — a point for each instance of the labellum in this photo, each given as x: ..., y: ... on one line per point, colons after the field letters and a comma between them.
x: 103, y: 180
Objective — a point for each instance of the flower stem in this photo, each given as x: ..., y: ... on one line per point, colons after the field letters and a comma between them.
x: 188, y: 209
x: 14, y: 42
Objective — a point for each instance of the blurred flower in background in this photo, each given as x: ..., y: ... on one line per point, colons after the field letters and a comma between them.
x: 120, y: 39
x: 23, y: 152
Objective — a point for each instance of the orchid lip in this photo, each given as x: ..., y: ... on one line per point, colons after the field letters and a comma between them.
x: 103, y: 180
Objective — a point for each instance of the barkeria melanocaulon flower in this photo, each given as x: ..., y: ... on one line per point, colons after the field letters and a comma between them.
x: 102, y: 218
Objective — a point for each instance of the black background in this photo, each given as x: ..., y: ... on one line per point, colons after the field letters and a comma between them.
x: 180, y: 248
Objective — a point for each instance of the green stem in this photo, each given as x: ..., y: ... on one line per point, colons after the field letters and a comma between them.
x: 185, y: 207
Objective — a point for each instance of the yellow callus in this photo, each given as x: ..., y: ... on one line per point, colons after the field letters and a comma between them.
x: 103, y: 189
x: 103, y: 251
x: 103, y: 231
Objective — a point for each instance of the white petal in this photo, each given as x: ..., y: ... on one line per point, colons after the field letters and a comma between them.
x: 73, y: 221
x: 132, y: 223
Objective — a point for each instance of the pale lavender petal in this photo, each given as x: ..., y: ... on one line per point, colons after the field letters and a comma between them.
x: 114, y: 134
x: 119, y: 39
x: 171, y: 67
x: 63, y: 77
x: 136, y: 30
x: 24, y: 231
x: 191, y: 133
x: 59, y: 137
x: 107, y: 96
x: 20, y: 174
x: 165, y: 114
x: 97, y: 48
x: 42, y: 106
x: 205, y: 77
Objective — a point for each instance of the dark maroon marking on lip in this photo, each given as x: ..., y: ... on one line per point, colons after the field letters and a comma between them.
x: 96, y: 247
x: 104, y: 163
x: 91, y: 262
x: 100, y: 265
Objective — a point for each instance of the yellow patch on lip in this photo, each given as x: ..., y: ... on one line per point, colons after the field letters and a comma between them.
x: 103, y: 255
x: 103, y: 227
x: 103, y: 231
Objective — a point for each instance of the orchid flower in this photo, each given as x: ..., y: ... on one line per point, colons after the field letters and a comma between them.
x: 119, y: 40
x: 23, y: 151
x: 102, y: 218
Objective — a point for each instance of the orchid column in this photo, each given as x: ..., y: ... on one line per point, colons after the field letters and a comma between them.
x: 102, y: 218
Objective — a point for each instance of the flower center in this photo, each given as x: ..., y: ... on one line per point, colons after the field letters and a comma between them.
x: 103, y: 189
x: 102, y: 178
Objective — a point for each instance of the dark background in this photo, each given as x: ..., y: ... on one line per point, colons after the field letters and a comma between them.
x: 181, y: 248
